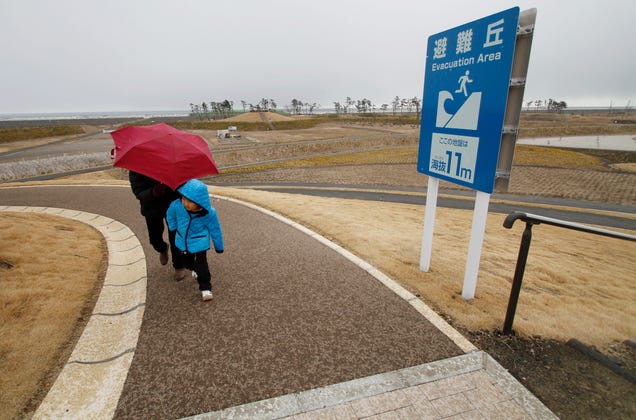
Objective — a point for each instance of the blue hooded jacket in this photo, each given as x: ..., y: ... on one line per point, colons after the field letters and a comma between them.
x: 194, y: 229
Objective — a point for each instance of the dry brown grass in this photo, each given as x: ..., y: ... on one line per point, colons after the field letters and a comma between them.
x: 553, y: 124
x: 561, y: 158
x: 392, y: 155
x: 321, y: 132
x: 524, y: 155
x: 51, y: 269
x: 629, y: 167
x: 301, y: 150
x: 12, y: 134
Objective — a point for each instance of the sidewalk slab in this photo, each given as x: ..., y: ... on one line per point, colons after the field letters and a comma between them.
x: 471, y: 386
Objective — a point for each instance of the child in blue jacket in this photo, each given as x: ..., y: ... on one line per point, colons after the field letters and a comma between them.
x: 195, y: 221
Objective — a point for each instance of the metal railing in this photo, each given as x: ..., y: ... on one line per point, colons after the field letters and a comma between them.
x: 526, y: 237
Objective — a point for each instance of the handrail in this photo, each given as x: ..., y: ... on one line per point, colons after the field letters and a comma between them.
x: 526, y: 238
x: 536, y: 219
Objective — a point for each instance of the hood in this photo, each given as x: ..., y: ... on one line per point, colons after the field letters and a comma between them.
x: 197, y: 192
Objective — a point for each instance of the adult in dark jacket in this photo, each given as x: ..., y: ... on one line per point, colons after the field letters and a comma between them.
x: 154, y: 199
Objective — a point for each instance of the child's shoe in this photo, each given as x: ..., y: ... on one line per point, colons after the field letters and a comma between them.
x: 207, y: 294
x: 194, y: 274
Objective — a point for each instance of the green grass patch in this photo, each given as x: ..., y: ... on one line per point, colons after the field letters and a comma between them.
x: 27, y: 133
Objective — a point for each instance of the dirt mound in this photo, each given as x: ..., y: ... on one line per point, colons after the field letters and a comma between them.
x: 255, y: 117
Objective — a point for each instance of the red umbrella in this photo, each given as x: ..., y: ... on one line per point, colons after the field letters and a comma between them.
x: 163, y: 153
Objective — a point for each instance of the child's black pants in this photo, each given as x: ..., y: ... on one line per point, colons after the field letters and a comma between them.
x: 199, y: 263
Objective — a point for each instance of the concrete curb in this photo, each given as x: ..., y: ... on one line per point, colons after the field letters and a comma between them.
x: 91, y: 382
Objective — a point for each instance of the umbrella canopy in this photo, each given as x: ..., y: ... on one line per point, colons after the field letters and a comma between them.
x: 163, y: 153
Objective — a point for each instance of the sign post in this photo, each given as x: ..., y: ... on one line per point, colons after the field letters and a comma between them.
x: 466, y: 87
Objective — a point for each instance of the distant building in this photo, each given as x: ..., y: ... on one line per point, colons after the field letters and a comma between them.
x: 225, y: 134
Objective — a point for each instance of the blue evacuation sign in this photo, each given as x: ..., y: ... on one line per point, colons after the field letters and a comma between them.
x: 465, y: 92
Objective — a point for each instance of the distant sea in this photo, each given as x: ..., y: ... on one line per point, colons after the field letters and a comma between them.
x: 91, y: 115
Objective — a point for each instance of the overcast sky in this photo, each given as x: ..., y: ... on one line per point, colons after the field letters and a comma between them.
x: 121, y: 55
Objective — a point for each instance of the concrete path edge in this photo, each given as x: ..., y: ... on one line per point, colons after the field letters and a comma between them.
x: 91, y: 382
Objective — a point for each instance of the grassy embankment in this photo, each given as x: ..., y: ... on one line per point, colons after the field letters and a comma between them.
x: 8, y: 135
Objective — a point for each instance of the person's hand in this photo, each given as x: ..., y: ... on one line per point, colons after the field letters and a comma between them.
x: 158, y: 190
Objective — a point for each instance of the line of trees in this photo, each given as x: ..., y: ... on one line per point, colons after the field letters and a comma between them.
x: 365, y: 105
x: 295, y: 107
x: 212, y: 110
x: 225, y: 108
x: 264, y: 105
x: 549, y: 104
x: 299, y: 107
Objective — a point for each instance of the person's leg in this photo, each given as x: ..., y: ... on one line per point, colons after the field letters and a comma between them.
x: 203, y: 271
x: 177, y: 255
x: 155, y: 236
x: 188, y: 260
x: 185, y: 261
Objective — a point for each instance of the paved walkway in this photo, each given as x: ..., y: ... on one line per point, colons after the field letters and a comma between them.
x: 298, y: 327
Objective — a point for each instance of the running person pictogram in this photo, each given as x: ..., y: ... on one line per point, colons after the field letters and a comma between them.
x: 462, y: 83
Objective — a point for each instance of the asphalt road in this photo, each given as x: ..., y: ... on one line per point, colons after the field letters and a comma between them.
x: 87, y: 143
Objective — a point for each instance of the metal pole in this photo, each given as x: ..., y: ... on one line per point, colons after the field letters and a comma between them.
x: 516, y: 282
x: 480, y: 214
x: 520, y: 62
x: 429, y: 224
